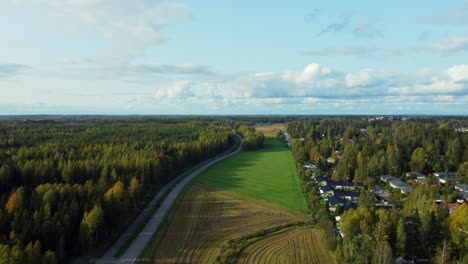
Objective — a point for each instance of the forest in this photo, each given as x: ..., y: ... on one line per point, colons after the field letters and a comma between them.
x: 361, y: 150
x: 68, y: 186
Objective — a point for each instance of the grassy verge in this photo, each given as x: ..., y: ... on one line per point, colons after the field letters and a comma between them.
x: 146, y: 255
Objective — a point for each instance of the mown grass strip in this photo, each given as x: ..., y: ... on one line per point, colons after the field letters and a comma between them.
x: 268, y: 175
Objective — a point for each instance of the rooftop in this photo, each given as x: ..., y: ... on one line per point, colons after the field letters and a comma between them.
x: 334, y: 201
x: 462, y: 186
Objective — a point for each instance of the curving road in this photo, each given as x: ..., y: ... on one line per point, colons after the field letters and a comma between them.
x: 132, y: 253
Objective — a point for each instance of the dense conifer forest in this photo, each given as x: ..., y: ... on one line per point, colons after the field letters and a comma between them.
x: 68, y: 186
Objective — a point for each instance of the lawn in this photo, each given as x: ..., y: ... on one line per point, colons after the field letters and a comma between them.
x: 268, y: 175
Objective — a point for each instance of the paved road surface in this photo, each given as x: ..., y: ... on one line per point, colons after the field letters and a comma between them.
x: 132, y: 253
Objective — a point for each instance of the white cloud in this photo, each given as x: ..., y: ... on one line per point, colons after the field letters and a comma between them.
x: 448, y: 82
x: 363, y: 78
x: 135, y: 24
x: 435, y: 87
x: 451, y: 45
x: 310, y: 73
x: 458, y: 73
x: 177, y: 90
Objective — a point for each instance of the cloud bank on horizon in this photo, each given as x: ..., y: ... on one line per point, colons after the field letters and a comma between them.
x: 193, y: 57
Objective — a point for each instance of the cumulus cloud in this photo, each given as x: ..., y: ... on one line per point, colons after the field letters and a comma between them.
x: 363, y: 78
x: 458, y: 73
x: 452, y: 81
x: 318, y: 84
x: 310, y: 72
x: 177, y: 90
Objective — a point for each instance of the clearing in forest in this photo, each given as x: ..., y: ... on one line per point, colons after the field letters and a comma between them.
x: 271, y: 131
x: 297, y: 245
x: 268, y: 174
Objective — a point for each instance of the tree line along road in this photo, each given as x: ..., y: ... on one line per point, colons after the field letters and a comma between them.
x: 140, y: 242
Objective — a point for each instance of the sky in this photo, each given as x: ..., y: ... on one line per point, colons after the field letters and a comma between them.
x: 233, y: 57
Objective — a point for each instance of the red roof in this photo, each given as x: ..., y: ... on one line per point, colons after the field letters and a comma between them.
x: 452, y: 206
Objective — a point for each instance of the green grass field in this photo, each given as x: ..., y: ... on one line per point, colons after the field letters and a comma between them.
x: 267, y: 175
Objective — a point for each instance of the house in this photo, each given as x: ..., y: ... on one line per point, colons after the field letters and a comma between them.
x: 333, y: 202
x: 350, y: 196
x: 449, y: 180
x: 321, y: 180
x: 415, y: 174
x: 403, y: 186
x: 326, y: 191
x: 397, y: 183
x: 381, y: 194
x: 464, y: 195
x: 444, y: 174
x: 461, y: 187
x: 452, y: 207
x: 346, y: 186
x: 310, y: 166
x: 418, y: 177
x: 386, y: 178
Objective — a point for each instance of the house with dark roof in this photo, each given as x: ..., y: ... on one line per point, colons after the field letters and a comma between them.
x: 445, y: 174
x: 326, y: 190
x: 345, y: 186
x: 333, y: 202
x: 418, y: 177
x: 321, y: 180
x: 446, y: 180
x: 381, y: 194
x: 464, y: 196
x: 461, y: 187
x: 346, y: 195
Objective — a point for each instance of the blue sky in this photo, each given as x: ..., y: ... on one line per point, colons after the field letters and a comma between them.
x: 233, y: 57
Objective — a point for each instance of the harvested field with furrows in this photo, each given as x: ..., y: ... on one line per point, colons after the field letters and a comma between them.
x: 297, y: 245
x: 271, y: 131
x: 206, y: 217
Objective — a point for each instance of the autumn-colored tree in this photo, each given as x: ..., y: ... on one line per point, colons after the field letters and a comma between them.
x: 49, y: 258
x: 14, y: 203
x: 92, y: 222
x: 134, y: 189
x: 117, y: 191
